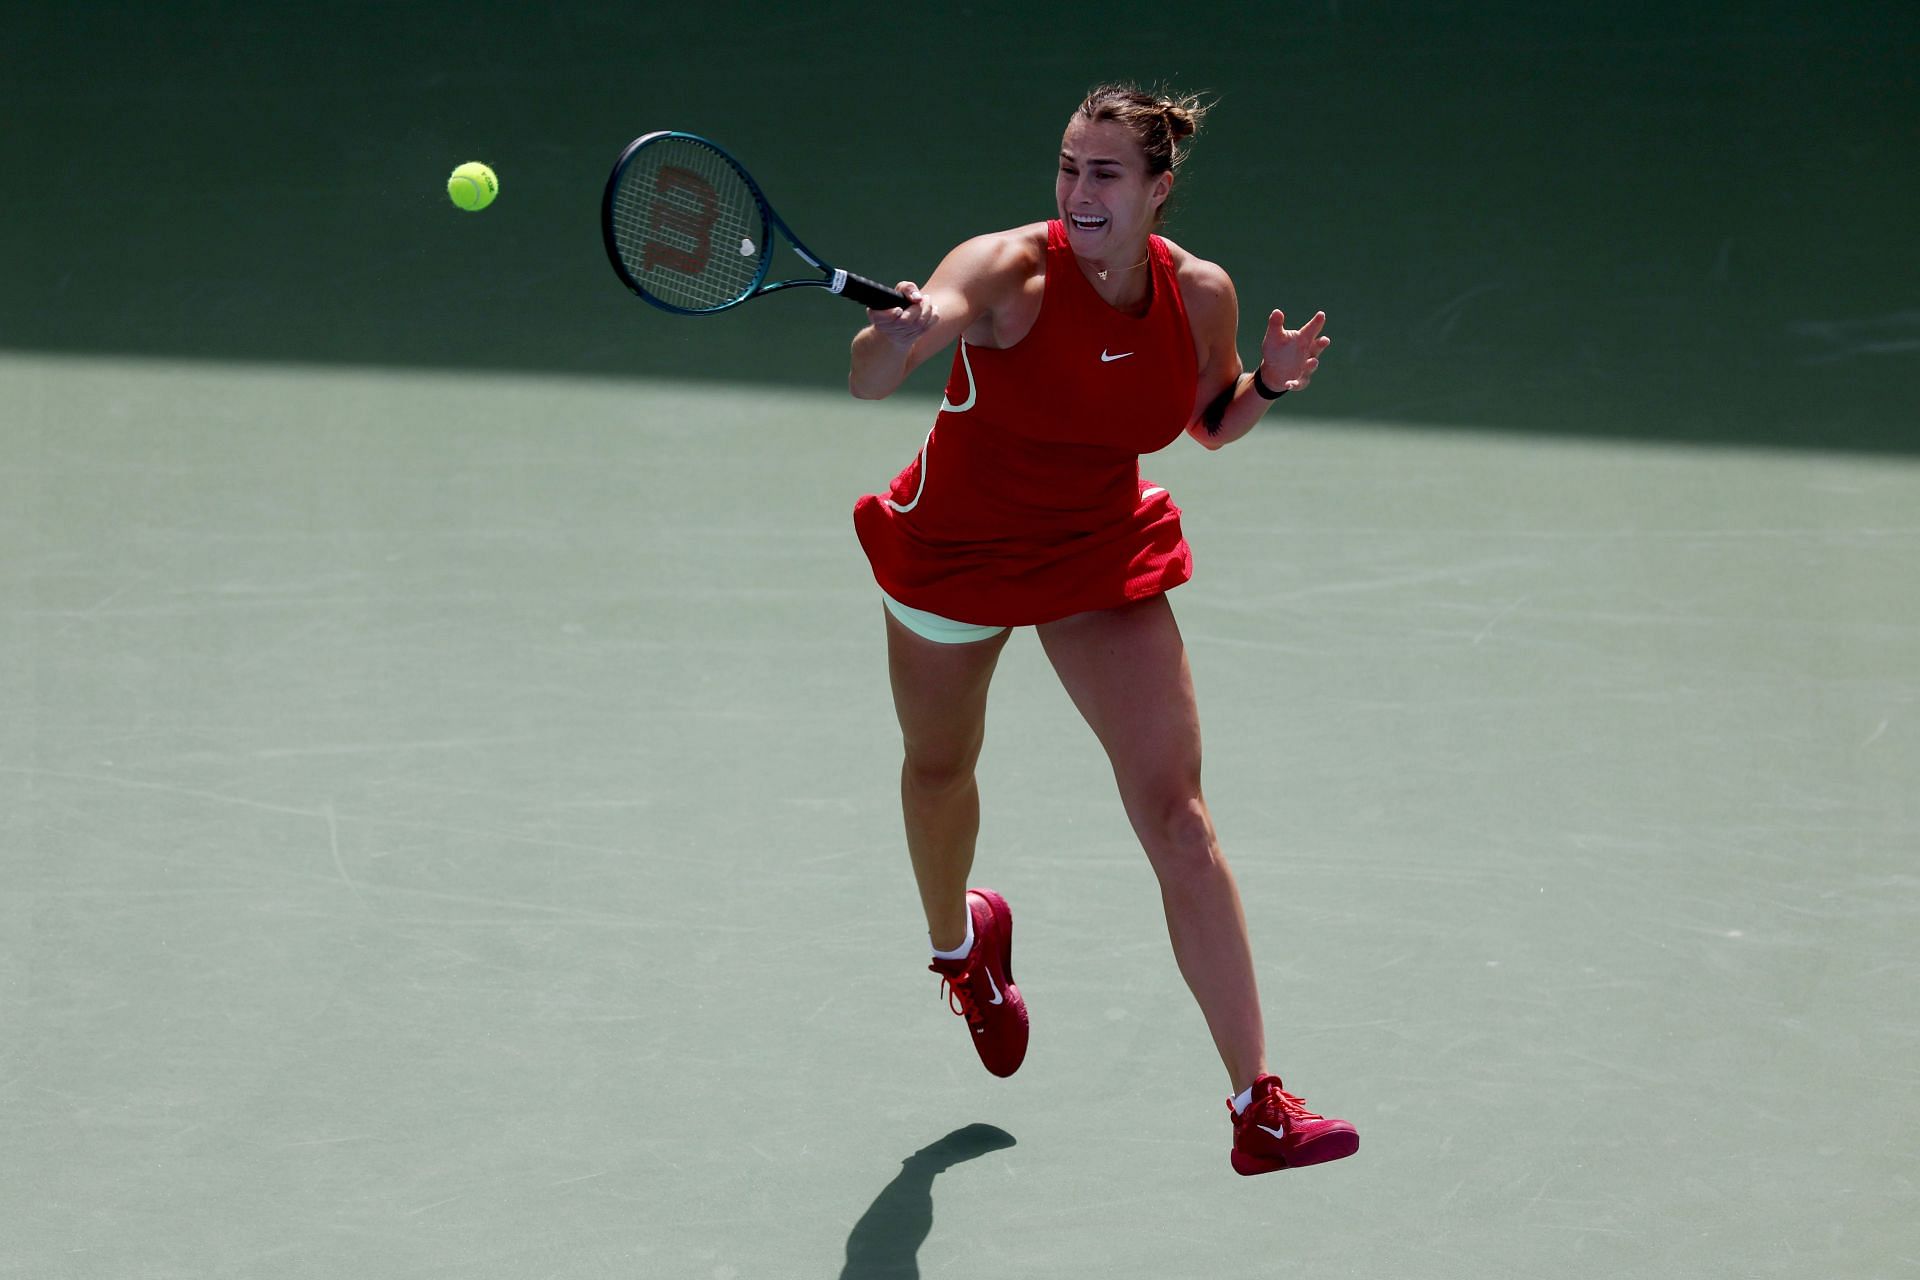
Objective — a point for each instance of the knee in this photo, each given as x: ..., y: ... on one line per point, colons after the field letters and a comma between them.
x: 938, y: 770
x: 1181, y: 843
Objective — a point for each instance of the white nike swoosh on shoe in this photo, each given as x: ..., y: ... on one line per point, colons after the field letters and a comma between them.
x: 997, y: 997
x: 1107, y: 359
x: 1278, y: 1133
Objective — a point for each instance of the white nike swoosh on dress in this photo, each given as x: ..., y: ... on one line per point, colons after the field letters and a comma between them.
x: 904, y: 507
x: 973, y: 391
x: 1107, y: 359
x: 946, y: 406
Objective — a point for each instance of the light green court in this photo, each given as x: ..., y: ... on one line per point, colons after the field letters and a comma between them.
x: 450, y: 831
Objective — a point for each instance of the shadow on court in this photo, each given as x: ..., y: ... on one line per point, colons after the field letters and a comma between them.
x: 885, y: 1243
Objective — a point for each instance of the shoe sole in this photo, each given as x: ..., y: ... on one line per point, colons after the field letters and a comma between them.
x: 1335, y: 1146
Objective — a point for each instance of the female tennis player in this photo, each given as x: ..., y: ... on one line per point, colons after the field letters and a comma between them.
x: 1083, y: 342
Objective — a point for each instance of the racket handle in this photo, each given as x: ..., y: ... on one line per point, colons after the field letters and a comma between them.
x: 869, y: 293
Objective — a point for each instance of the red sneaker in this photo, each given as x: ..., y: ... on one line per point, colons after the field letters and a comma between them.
x: 1276, y: 1131
x: 980, y: 988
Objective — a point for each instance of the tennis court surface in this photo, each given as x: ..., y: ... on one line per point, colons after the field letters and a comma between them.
x: 451, y: 831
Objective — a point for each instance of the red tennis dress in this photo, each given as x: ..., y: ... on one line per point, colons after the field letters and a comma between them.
x: 1026, y: 504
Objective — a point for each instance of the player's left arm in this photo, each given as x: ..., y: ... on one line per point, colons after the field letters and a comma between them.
x: 1227, y: 404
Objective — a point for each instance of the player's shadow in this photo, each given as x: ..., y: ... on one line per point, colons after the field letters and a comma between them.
x: 885, y: 1243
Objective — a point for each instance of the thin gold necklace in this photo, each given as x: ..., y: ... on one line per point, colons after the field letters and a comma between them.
x: 1135, y: 267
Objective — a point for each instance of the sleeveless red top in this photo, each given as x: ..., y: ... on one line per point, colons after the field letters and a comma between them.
x: 1026, y: 504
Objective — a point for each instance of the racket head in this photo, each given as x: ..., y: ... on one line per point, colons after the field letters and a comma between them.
x: 686, y: 226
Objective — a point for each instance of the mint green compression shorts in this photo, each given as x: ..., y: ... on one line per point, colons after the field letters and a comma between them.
x: 931, y: 626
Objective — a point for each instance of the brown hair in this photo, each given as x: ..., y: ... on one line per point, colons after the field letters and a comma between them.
x: 1161, y: 123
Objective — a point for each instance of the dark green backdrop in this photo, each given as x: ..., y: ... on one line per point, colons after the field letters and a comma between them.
x: 1686, y: 222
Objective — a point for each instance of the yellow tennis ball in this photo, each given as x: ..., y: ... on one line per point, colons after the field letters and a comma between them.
x: 473, y: 186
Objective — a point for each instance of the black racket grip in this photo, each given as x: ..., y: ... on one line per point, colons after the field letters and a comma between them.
x: 871, y: 293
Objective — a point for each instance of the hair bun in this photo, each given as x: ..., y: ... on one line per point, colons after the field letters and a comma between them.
x: 1183, y: 115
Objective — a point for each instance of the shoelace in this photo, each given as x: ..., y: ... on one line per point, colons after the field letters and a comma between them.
x: 959, y: 995
x: 1288, y: 1105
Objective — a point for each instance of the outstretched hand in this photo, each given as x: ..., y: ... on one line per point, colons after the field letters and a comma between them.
x: 1291, y: 355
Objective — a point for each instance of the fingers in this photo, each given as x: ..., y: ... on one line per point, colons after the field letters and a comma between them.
x: 1309, y: 332
x: 875, y: 315
x: 1292, y: 355
x: 903, y: 325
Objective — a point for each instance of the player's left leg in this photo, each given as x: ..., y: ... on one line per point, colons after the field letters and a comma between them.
x: 1126, y: 670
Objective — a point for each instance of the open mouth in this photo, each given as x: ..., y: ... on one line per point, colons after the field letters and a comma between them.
x: 1087, y: 221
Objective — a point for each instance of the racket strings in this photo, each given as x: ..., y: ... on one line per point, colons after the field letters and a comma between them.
x: 687, y: 226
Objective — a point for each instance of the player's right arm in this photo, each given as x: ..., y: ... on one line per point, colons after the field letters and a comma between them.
x: 981, y: 275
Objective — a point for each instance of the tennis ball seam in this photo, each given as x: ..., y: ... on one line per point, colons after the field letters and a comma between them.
x: 473, y: 186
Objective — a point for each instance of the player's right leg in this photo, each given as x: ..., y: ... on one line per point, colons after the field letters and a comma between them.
x: 940, y: 698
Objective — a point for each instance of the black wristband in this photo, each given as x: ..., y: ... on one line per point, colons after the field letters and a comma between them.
x: 1261, y: 387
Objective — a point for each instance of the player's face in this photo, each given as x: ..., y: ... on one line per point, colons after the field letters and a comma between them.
x: 1104, y: 193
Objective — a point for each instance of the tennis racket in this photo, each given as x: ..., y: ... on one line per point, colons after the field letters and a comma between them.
x: 688, y: 229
